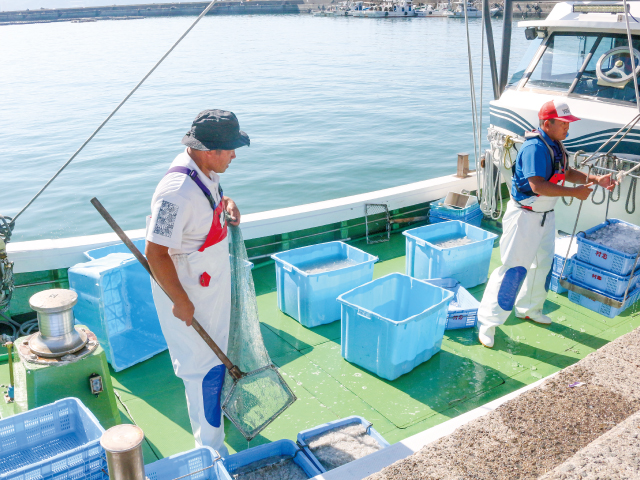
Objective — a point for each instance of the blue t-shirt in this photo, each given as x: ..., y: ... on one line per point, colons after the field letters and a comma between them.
x: 533, y: 161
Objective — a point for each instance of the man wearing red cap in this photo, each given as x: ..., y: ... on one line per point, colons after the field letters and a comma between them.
x: 527, y: 242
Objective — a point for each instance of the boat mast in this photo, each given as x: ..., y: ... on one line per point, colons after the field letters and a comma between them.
x: 506, y: 43
x: 486, y: 17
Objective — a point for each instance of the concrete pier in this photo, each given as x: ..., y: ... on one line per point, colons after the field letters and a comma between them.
x: 153, y: 10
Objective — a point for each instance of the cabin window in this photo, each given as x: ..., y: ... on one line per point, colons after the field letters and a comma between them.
x: 589, y: 84
x: 569, y: 63
x: 560, y: 62
x: 526, y: 60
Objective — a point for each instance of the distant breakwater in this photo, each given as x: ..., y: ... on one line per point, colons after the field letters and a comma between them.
x: 45, y: 15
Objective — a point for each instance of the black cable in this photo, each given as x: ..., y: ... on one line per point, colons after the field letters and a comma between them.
x: 619, y: 194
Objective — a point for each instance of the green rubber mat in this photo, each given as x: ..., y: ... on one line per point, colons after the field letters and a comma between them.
x: 428, y: 389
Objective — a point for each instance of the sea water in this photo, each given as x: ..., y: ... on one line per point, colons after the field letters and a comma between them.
x: 342, y: 445
x: 332, y: 107
x: 327, y: 265
x: 618, y: 236
x: 273, y: 468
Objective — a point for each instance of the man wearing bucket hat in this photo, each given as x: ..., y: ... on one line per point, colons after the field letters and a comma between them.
x: 528, y: 238
x: 188, y: 252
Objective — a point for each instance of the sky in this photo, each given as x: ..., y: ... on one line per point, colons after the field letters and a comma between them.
x: 10, y: 5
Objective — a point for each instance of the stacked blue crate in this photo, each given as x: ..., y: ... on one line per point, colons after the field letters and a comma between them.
x: 59, y: 440
x: 603, y: 270
x: 439, y: 212
x: 561, y: 247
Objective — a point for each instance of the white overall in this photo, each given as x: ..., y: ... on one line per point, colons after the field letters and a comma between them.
x: 526, y: 250
x: 205, y: 275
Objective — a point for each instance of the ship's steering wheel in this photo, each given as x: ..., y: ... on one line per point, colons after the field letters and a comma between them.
x: 620, y: 73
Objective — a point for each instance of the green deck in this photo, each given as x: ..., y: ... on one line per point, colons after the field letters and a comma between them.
x: 463, y: 376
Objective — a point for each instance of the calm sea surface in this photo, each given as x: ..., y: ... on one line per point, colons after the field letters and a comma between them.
x: 333, y: 106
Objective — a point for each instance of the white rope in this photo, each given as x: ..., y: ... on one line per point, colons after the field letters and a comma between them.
x: 204, y: 12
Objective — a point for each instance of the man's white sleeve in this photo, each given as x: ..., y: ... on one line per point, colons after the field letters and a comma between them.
x: 168, y: 218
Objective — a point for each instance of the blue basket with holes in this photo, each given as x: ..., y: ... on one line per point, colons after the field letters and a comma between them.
x: 463, y: 309
x: 603, y: 257
x: 202, y: 463
x: 260, y: 456
x: 602, y: 280
x: 554, y: 284
x: 599, y: 307
x: 63, y: 436
x: 306, y: 436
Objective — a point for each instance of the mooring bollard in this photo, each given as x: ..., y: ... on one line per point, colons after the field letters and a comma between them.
x: 123, y: 447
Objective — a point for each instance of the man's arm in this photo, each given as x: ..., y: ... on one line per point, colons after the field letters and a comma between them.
x: 576, y: 176
x: 541, y: 186
x: 165, y: 273
x: 232, y: 209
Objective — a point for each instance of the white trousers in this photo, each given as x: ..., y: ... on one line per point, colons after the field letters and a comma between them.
x: 526, y: 251
x: 193, y: 361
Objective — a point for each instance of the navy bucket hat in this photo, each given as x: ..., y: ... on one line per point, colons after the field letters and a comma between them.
x: 215, y: 130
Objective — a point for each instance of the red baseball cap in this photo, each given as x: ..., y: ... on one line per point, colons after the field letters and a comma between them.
x: 556, y: 109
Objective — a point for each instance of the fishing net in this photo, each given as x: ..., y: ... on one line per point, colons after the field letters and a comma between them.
x: 255, y: 400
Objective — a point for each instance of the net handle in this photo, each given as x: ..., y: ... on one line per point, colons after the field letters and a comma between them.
x: 233, y: 369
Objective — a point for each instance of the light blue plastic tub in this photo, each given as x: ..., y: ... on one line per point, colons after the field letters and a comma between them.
x: 192, y: 464
x: 468, y: 264
x: 116, y: 303
x: 606, y: 258
x: 63, y: 436
x: 277, y: 449
x: 463, y: 309
x: 599, y: 307
x: 310, y: 298
x: 393, y: 324
x: 306, y: 435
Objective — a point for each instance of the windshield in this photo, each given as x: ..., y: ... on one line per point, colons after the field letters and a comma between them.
x: 565, y: 55
x: 526, y: 60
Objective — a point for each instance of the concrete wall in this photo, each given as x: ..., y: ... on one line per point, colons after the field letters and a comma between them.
x: 155, y: 10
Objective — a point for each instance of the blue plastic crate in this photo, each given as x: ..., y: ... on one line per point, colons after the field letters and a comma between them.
x: 310, y: 298
x: 441, y: 210
x: 83, y: 463
x: 202, y: 463
x: 603, y: 257
x: 475, y: 220
x: 393, y: 324
x: 554, y: 284
x: 469, y: 264
x: 306, y: 435
x: 561, y: 245
x: 61, y: 436
x: 602, y: 280
x: 599, y: 307
x: 279, y: 448
x: 463, y: 309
